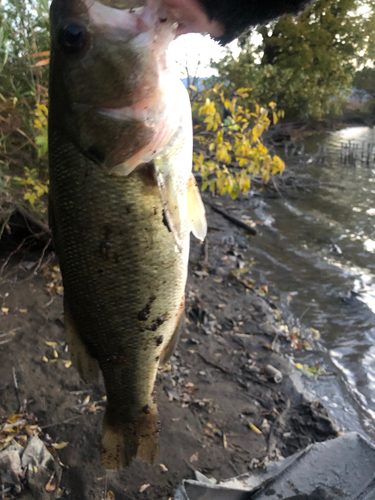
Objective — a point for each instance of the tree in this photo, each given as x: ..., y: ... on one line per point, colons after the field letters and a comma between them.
x: 364, y: 81
x: 24, y: 58
x: 24, y: 46
x: 306, y: 63
x: 228, y: 142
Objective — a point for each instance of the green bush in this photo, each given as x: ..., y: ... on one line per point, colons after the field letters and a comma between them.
x: 24, y: 58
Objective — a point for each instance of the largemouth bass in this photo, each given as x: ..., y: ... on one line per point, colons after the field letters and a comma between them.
x: 123, y: 201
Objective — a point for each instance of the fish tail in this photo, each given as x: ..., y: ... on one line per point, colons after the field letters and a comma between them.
x: 122, y: 443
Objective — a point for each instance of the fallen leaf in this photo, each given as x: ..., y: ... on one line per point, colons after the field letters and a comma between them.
x: 86, y: 400
x: 254, y: 428
x: 67, y: 363
x: 14, y: 418
x: 51, y: 344
x: 93, y: 408
x: 40, y: 54
x: 110, y: 495
x: 144, y: 487
x: 43, y: 62
x: 225, y: 442
x: 45, y: 359
x: 194, y: 457
x: 4, y: 443
x: 52, y: 483
x: 294, y: 342
x: 5, y: 310
x: 55, y: 353
x: 23, y: 311
x: 315, y: 333
x: 298, y: 366
x: 163, y: 468
x: 22, y: 441
x: 60, y: 446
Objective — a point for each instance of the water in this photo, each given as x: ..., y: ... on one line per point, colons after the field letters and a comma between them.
x: 319, y: 248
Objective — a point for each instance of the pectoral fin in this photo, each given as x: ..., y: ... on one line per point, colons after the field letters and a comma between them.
x: 197, y: 212
x: 124, y: 169
x: 84, y: 363
x: 170, y: 206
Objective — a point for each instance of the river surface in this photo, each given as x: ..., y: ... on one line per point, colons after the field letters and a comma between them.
x: 318, y: 246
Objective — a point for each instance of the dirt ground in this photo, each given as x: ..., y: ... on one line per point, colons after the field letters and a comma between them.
x: 221, y: 411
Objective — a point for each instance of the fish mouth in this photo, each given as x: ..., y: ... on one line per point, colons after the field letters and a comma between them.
x: 127, y: 18
x: 139, y: 16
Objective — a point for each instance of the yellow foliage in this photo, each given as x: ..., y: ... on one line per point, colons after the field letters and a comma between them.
x: 41, y: 116
x: 41, y: 125
x: 35, y: 187
x: 231, y: 151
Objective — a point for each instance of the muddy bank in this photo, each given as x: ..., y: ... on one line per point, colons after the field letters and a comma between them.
x: 220, y: 407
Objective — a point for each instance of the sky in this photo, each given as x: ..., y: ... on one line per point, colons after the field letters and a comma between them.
x: 195, y: 51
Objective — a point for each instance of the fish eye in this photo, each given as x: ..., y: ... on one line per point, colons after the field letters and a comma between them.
x: 72, y: 37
